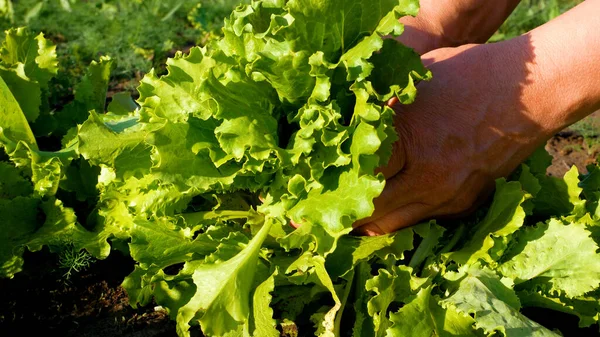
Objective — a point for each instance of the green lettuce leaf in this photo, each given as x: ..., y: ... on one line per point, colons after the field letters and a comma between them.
x: 389, y: 286
x: 424, y: 316
x: 557, y: 257
x: 494, y: 306
x: 352, y: 250
x: 505, y: 216
x: 217, y: 295
x: 559, y: 196
x: 587, y: 308
x: 13, y: 123
x: 27, y: 64
x: 90, y: 94
x: 364, y: 325
x: 262, y: 312
x: 21, y: 229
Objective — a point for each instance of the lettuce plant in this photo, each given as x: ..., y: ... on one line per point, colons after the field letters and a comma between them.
x: 282, y: 119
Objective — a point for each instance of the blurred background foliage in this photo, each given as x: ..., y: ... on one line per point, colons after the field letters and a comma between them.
x: 530, y: 14
x: 137, y: 34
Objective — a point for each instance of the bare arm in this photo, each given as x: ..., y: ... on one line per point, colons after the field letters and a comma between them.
x: 566, y: 67
x: 451, y: 23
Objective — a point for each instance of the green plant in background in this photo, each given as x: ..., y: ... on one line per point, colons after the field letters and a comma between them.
x: 589, y: 128
x: 208, y: 16
x: 530, y: 14
x: 89, y: 29
x: 86, y: 30
x: 6, y: 11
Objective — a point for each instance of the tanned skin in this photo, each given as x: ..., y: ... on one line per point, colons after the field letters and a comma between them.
x: 488, y: 107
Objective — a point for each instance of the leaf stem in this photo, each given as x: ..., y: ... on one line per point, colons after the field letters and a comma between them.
x: 193, y: 219
x: 344, y: 299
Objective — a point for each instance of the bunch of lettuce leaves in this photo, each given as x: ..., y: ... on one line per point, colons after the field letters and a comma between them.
x: 37, y: 173
x: 283, y: 118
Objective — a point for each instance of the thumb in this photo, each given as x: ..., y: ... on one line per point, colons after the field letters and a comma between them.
x: 402, y: 217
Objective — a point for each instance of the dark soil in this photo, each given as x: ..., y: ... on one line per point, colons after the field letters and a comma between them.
x: 577, y: 145
x: 568, y: 148
x: 38, y: 302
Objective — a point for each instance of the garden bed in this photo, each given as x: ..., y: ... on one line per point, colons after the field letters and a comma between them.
x: 93, y: 303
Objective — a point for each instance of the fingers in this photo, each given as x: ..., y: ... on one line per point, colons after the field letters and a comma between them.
x: 396, y: 163
x: 400, y: 190
x: 402, y: 217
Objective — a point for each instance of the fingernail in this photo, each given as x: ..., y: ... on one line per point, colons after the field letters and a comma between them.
x: 393, y: 101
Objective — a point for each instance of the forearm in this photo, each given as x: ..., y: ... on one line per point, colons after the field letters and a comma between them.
x: 450, y: 23
x: 562, y: 59
x: 518, y: 93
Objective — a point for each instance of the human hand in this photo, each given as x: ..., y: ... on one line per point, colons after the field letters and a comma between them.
x: 468, y: 127
x: 486, y: 110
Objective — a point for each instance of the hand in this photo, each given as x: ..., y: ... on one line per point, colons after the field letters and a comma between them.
x: 486, y: 110
x: 467, y: 127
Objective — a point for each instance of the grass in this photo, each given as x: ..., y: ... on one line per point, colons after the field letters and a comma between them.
x: 530, y: 14
x: 589, y: 128
x: 137, y: 34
